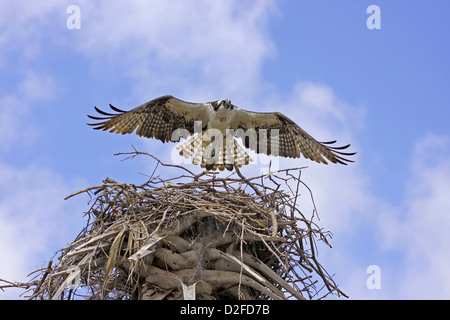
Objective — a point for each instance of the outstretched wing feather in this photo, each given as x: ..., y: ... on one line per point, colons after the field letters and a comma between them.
x: 158, y: 118
x: 292, y: 142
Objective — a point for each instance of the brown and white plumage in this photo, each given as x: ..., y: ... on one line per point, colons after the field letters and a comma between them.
x: 270, y: 133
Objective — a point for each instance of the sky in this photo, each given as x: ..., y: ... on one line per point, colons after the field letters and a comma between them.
x: 378, y: 79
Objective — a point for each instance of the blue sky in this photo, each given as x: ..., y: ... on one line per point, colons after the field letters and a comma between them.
x: 386, y: 91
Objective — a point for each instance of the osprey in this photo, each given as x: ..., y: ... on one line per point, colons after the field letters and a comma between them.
x: 218, y: 124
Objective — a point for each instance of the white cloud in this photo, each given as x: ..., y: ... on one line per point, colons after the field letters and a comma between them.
x: 36, y: 87
x: 197, y: 50
x: 161, y: 44
x: 24, y: 25
x: 36, y: 221
x: 421, y: 233
x: 340, y: 192
x: 35, y: 218
x: 16, y: 109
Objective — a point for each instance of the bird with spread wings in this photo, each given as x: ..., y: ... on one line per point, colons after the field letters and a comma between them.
x: 217, y: 125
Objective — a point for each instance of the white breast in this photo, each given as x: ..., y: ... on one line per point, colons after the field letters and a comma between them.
x: 221, y: 119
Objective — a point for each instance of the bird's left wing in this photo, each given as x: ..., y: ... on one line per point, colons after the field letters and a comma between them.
x: 284, y: 137
x: 158, y: 118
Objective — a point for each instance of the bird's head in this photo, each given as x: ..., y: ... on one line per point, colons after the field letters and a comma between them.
x: 225, y: 103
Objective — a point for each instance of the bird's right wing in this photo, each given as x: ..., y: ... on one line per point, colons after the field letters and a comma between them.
x: 158, y: 118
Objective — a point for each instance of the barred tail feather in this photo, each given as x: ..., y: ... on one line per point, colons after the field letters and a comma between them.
x: 213, y: 156
x: 188, y: 147
x: 241, y: 157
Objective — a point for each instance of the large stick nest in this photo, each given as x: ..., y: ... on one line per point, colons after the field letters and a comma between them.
x: 192, y: 237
